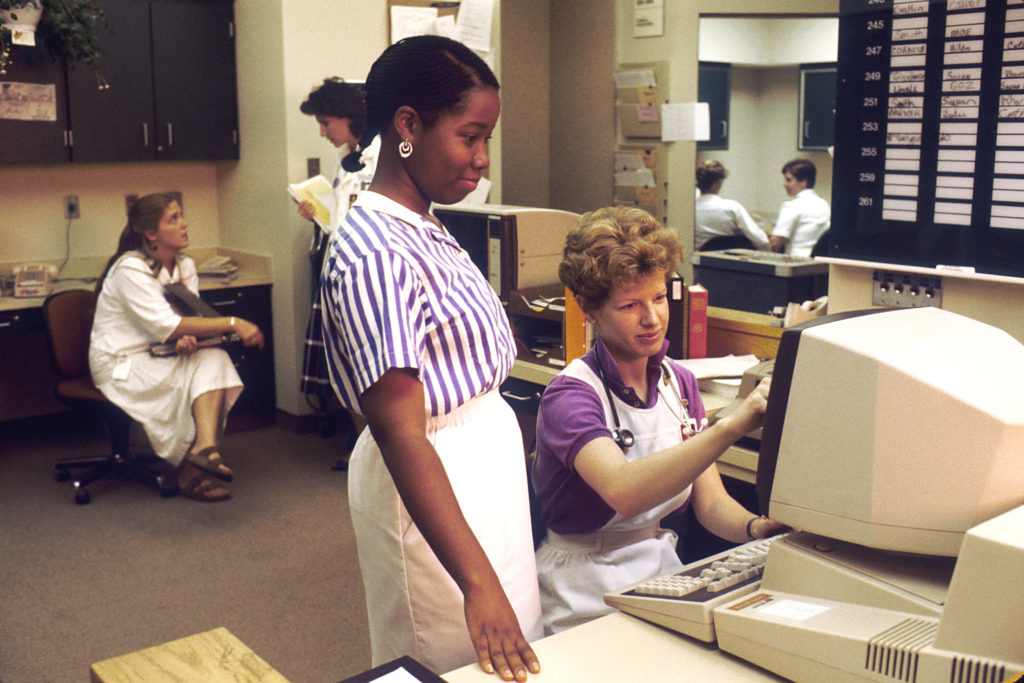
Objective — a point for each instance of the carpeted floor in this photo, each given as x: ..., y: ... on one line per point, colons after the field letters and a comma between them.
x: 276, y: 564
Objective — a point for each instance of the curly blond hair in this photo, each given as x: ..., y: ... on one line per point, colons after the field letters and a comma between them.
x: 614, y: 246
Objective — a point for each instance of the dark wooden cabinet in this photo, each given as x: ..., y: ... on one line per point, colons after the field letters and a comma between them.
x: 817, y: 106
x: 194, y: 85
x: 33, y: 87
x: 170, y: 66
x: 713, y: 87
x: 255, y: 366
x: 172, y: 95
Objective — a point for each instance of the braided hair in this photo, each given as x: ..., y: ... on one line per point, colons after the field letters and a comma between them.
x: 430, y: 74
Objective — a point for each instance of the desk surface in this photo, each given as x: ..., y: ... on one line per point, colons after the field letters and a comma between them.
x: 210, y: 656
x: 618, y: 647
x: 755, y: 261
x: 81, y: 273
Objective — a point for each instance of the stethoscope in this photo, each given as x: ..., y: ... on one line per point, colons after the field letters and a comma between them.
x: 624, y: 437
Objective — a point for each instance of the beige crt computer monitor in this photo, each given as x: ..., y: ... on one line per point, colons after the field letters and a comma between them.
x: 894, y: 429
x: 515, y: 247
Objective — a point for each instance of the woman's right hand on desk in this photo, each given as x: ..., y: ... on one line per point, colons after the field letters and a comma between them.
x: 497, y: 638
x: 248, y: 332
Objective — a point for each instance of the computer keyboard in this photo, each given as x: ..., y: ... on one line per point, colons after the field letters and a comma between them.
x: 683, y: 600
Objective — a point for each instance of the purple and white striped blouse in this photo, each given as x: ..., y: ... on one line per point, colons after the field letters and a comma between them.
x: 399, y: 292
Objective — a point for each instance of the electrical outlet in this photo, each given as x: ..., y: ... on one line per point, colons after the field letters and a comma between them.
x: 906, y: 290
x: 71, y: 207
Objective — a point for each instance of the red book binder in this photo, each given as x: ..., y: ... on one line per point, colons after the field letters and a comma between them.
x: 697, y: 330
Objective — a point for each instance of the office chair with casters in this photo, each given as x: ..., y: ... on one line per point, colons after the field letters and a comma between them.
x: 727, y: 242
x: 68, y: 319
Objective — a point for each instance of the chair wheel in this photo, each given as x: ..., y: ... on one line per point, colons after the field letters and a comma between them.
x: 61, y: 474
x: 82, y: 496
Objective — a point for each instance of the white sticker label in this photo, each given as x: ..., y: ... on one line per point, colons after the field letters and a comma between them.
x: 124, y: 364
x: 793, y: 609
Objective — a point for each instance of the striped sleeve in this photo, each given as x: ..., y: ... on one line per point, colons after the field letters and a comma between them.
x: 371, y: 315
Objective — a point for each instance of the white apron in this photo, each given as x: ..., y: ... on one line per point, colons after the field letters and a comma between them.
x: 576, y: 570
x: 414, y: 606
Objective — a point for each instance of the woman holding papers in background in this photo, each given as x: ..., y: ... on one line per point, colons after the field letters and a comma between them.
x: 182, y: 401
x: 620, y: 432
x: 418, y: 342
x: 340, y: 113
x: 717, y: 216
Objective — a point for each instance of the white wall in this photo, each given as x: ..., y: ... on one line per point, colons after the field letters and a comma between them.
x: 283, y: 51
x: 768, y: 41
x: 32, y: 224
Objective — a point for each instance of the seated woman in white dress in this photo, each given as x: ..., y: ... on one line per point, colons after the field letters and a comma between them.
x: 181, y: 401
x: 717, y: 216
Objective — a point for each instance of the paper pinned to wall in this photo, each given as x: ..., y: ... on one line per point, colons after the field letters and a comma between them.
x: 412, y: 21
x: 641, y: 177
x: 636, y: 78
x: 629, y: 161
x: 688, y: 121
x: 648, y: 18
x: 473, y: 24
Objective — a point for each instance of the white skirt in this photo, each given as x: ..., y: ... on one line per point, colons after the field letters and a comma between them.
x: 158, y: 392
x: 414, y: 606
x: 576, y: 571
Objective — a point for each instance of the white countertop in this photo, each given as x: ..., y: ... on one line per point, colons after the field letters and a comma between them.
x: 82, y: 272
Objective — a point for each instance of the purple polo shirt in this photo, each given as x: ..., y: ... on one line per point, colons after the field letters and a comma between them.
x: 571, y: 415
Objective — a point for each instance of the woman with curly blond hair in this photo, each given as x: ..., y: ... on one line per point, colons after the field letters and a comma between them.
x: 620, y: 433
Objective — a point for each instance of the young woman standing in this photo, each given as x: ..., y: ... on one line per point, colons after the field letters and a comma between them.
x: 418, y: 343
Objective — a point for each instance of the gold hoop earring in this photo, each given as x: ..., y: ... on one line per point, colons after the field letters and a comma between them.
x: 405, y: 149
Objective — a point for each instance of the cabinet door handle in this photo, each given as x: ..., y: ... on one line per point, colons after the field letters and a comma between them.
x: 170, y: 135
x: 807, y: 129
x: 145, y: 134
x: 725, y: 128
x: 517, y: 397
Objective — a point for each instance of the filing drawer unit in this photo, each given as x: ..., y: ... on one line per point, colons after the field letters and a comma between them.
x: 255, y: 367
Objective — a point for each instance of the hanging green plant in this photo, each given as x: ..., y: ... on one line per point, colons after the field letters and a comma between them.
x: 68, y: 32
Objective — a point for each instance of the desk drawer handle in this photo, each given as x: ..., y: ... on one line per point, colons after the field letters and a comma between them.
x: 516, y: 397
x: 228, y: 302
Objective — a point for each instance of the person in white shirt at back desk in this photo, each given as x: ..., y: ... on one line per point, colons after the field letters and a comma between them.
x: 717, y: 216
x: 804, y: 218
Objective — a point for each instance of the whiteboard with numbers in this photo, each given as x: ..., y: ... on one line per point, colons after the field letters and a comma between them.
x: 929, y: 153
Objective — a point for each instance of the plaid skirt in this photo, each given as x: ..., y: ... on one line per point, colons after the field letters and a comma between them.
x: 315, y: 379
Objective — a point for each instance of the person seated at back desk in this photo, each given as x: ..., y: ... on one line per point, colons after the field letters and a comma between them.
x: 620, y: 438
x: 717, y: 216
x: 804, y: 218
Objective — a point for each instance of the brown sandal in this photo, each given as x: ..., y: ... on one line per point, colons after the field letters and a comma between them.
x: 215, y: 467
x: 204, y: 490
